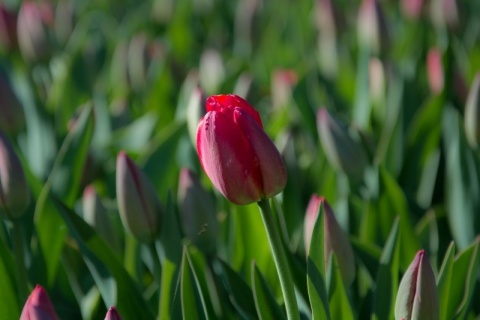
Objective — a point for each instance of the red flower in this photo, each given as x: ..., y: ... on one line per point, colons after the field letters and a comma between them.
x: 112, y: 314
x: 38, y: 306
x: 237, y: 155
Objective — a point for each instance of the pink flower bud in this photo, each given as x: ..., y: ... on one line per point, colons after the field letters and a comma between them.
x: 417, y: 297
x: 138, y: 204
x: 38, y: 306
x: 8, y: 28
x: 283, y: 82
x: 444, y: 13
x: 371, y: 26
x: 412, y: 8
x: 197, y: 212
x: 435, y: 70
x: 237, y: 155
x: 112, y: 314
x: 341, y: 149
x: 335, y: 240
x: 472, y: 113
x: 34, y: 22
x: 12, y: 118
x: 14, y: 194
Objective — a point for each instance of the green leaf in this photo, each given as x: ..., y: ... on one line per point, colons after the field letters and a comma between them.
x: 65, y: 180
x: 192, y: 299
x: 368, y: 253
x: 265, y: 303
x: 8, y: 295
x: 317, y: 291
x: 240, y: 294
x: 129, y: 299
x: 465, y: 267
x: 362, y: 107
x: 387, y: 277
x: 444, y: 283
x: 340, y: 307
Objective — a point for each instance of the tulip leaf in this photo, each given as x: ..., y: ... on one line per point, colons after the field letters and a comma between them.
x: 340, y: 307
x: 136, y: 135
x: 444, y: 283
x: 191, y: 297
x: 465, y: 266
x: 317, y: 290
x: 265, y: 303
x: 387, y: 277
x: 101, y: 259
x: 64, y: 179
x: 239, y: 292
x: 8, y: 295
x: 368, y: 253
x: 462, y: 179
x: 362, y: 107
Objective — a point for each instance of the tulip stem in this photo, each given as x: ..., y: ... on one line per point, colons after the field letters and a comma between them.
x: 280, y: 259
x: 18, y: 247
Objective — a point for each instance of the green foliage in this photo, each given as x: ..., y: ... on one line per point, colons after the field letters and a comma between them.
x: 121, y: 76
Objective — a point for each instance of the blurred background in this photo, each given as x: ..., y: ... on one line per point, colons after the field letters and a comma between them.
x: 397, y: 76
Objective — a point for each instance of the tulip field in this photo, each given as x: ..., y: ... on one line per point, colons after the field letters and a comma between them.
x: 208, y: 159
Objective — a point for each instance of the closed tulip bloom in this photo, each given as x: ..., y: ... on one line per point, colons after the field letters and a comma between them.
x: 197, y: 212
x: 138, y: 204
x: 112, y: 314
x: 417, y: 297
x: 371, y: 26
x: 472, y: 113
x: 38, y: 306
x: 235, y: 152
x: 335, y: 239
x: 342, y: 151
x: 435, y: 70
x: 14, y: 194
x: 8, y: 28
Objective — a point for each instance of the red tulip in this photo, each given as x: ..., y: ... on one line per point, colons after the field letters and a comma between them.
x: 38, y: 306
x: 237, y: 155
x: 112, y: 314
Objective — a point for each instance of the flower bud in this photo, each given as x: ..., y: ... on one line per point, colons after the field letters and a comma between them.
x: 412, y: 8
x: 212, y: 71
x: 472, y: 113
x: 371, y: 26
x: 138, y: 204
x: 14, y: 194
x: 435, y: 70
x: 444, y: 13
x: 342, y: 151
x: 8, y: 28
x: 283, y: 82
x: 96, y: 215
x: 12, y: 118
x: 38, y: 306
x: 197, y: 212
x: 417, y: 297
x: 112, y: 314
x: 335, y: 240
x: 34, y: 21
x: 235, y: 152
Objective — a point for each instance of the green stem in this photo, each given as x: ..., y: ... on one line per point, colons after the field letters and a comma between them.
x: 280, y: 259
x: 18, y: 247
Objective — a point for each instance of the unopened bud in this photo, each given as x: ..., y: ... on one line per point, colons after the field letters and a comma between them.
x: 112, y: 314
x: 435, y: 70
x: 38, y: 306
x: 372, y: 27
x: 138, y: 204
x: 335, y: 240
x: 8, y: 28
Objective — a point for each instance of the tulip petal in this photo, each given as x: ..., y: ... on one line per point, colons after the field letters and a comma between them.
x: 228, y: 102
x: 272, y: 169
x: 228, y: 159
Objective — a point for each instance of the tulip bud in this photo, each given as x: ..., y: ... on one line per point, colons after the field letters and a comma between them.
x: 412, y: 8
x: 417, y: 297
x: 335, y: 240
x: 197, y: 212
x: 282, y: 85
x: 14, y: 195
x: 235, y: 152
x: 435, y: 70
x: 342, y: 151
x: 12, y: 118
x: 38, y: 306
x: 8, y: 28
x: 472, y: 113
x: 138, y: 204
x: 34, y: 21
x: 96, y: 215
x: 444, y: 13
x: 64, y: 20
x: 377, y: 85
x: 371, y: 26
x: 112, y: 314
x: 138, y: 61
